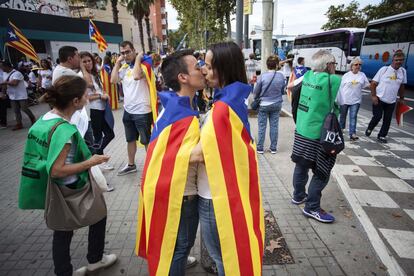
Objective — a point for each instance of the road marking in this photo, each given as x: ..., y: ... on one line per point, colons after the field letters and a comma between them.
x: 369, y: 92
x: 401, y: 241
x: 393, y: 268
x: 397, y: 129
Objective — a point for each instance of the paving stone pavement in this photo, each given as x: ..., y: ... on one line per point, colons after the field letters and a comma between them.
x: 318, y: 249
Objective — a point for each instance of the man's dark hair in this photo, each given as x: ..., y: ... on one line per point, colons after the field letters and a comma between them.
x: 127, y: 43
x: 300, y: 60
x: 66, y: 52
x: 228, y: 61
x: 6, y: 63
x: 173, y: 65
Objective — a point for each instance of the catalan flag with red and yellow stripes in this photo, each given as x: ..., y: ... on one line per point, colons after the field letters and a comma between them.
x: 174, y: 136
x: 18, y: 41
x: 110, y: 88
x: 231, y: 164
x: 95, y: 35
x: 146, y: 65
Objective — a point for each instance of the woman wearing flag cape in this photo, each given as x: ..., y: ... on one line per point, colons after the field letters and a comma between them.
x: 230, y: 200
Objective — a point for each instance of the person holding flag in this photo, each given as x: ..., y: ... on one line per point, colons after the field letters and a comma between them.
x: 230, y: 200
x: 140, y: 99
x: 168, y: 212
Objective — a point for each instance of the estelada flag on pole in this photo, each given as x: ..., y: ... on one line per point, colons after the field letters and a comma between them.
x: 18, y: 41
x: 110, y: 88
x: 231, y: 164
x: 146, y: 65
x: 399, y: 112
x: 174, y: 136
x: 95, y: 35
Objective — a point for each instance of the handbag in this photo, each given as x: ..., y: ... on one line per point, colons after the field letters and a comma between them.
x: 332, y: 139
x: 69, y: 209
x: 256, y: 102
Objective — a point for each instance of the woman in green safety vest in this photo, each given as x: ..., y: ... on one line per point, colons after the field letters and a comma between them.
x: 313, y: 106
x: 66, y: 159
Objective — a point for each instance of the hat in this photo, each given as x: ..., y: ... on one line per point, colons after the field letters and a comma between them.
x: 36, y: 68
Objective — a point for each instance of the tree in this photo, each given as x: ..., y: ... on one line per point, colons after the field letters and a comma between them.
x: 344, y: 16
x: 147, y: 22
x: 94, y: 5
x: 114, y: 5
x: 206, y: 21
x: 137, y: 9
x: 351, y: 16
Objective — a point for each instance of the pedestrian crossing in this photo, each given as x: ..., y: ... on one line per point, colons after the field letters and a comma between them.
x: 380, y: 179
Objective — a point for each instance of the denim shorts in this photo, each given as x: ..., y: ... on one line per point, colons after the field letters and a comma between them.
x: 137, y: 126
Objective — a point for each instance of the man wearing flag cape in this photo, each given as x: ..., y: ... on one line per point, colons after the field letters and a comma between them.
x: 140, y: 99
x: 230, y: 200
x: 168, y: 203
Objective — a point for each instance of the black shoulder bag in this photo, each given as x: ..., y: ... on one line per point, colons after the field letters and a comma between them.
x: 332, y: 139
x: 256, y: 102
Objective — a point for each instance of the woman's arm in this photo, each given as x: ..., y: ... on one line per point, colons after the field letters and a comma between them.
x: 60, y: 169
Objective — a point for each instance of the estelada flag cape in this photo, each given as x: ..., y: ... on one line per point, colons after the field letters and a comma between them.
x: 110, y: 88
x: 231, y: 164
x: 146, y: 65
x: 174, y: 135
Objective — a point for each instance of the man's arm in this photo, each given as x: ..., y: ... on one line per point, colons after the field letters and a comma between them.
x: 137, y: 72
x: 115, y: 70
x: 401, y: 92
x: 373, y: 88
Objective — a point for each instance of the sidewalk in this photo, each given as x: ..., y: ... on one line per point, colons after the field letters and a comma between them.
x: 341, y: 248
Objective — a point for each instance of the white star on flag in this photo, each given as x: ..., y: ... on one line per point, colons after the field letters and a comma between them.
x: 12, y: 35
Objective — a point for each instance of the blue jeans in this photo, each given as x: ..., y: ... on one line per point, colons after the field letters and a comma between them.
x: 209, y: 232
x: 353, y: 112
x: 186, y: 236
x: 316, y: 185
x: 272, y: 112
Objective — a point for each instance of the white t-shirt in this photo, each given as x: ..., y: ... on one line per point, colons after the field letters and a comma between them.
x: 350, y: 90
x: 62, y: 71
x: 389, y: 81
x: 19, y: 91
x: 250, y: 69
x: 46, y: 78
x: 80, y: 118
x: 32, y: 77
x: 203, y: 186
x: 136, y: 92
x: 95, y: 104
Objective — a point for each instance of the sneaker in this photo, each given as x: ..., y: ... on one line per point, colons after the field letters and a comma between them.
x: 107, y: 260
x: 382, y: 140
x: 320, y: 215
x: 298, y: 202
x: 109, y: 188
x: 127, y: 169
x: 3, y: 126
x: 353, y: 137
x: 191, y: 261
x: 80, y: 271
x: 106, y: 167
x: 273, y: 151
x: 260, y: 151
x: 368, y: 132
x: 17, y: 127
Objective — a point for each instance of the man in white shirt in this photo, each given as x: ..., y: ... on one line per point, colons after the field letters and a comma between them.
x: 137, y: 116
x: 3, y: 103
x: 386, y: 85
x: 16, y: 90
x: 69, y: 61
x: 251, y: 69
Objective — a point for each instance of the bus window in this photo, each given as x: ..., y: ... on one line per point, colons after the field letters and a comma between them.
x: 373, y: 35
x: 356, y: 44
x: 395, y: 32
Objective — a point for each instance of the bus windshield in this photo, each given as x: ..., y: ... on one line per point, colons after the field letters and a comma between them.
x: 356, y: 44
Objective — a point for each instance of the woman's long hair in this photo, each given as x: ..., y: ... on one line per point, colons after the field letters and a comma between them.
x: 228, y: 62
x: 94, y: 72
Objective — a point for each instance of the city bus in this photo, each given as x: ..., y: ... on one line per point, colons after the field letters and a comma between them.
x: 344, y: 44
x: 385, y: 36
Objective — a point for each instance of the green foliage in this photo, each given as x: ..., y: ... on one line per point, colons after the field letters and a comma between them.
x: 197, y: 16
x: 174, y: 37
x: 352, y: 16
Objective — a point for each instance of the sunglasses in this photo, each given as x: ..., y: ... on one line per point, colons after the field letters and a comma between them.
x: 357, y: 64
x: 127, y: 52
x: 399, y: 60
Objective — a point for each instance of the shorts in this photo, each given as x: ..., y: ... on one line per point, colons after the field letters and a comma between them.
x: 137, y: 126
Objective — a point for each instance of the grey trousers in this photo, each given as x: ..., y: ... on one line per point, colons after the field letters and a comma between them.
x: 19, y: 105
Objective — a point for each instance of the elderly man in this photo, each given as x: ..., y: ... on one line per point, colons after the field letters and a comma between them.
x: 386, y: 85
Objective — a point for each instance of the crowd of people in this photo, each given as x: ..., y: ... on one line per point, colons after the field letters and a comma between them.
x: 212, y: 192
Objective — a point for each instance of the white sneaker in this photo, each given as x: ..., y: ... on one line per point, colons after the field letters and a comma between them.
x: 80, y: 271
x: 109, y: 188
x: 107, y: 260
x: 191, y: 261
x: 106, y: 167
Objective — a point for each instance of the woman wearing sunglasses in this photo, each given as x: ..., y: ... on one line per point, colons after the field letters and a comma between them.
x: 349, y: 96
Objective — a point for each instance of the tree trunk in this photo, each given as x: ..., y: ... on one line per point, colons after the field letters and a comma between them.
x: 147, y: 24
x: 228, y: 25
x: 115, y: 11
x: 141, y: 33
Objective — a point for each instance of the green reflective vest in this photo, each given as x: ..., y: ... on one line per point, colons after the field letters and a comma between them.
x: 314, y: 103
x: 39, y: 158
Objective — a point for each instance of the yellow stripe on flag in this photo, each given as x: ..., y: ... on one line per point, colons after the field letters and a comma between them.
x: 178, y: 183
x: 220, y: 198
